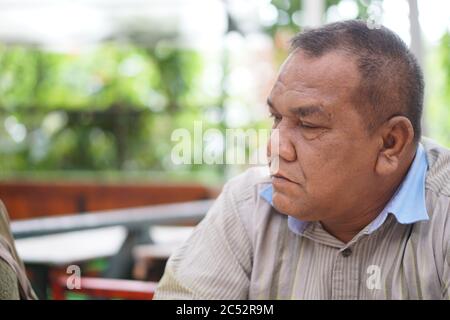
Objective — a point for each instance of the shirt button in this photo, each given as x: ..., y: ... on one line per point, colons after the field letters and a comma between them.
x: 346, y: 252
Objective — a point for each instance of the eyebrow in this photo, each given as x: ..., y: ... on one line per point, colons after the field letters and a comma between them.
x: 303, y: 111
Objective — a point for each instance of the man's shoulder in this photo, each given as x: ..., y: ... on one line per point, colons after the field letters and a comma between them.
x: 438, y: 175
x: 437, y: 195
x: 242, y: 194
x: 249, y: 183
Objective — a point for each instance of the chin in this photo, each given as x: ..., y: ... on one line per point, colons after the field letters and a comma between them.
x: 291, y: 207
x: 286, y: 205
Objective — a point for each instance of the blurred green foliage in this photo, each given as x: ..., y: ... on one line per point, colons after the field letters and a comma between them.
x: 438, y: 107
x: 107, y: 108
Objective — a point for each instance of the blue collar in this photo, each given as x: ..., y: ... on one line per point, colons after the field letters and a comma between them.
x: 407, y: 205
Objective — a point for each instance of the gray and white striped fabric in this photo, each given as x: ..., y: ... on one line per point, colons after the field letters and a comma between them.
x: 243, y: 249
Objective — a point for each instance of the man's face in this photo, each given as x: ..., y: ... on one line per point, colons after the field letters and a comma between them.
x: 326, y: 156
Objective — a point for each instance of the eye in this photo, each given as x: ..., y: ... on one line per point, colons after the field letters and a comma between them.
x: 307, y: 126
x: 276, y: 118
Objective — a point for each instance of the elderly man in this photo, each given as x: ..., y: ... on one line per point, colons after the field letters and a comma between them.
x: 358, y: 206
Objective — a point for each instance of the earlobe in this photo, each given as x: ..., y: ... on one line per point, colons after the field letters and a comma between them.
x: 386, y: 163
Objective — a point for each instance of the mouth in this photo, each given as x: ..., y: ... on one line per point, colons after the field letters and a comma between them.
x: 278, y: 177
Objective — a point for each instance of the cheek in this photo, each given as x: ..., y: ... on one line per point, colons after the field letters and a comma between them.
x: 313, y: 159
x: 325, y: 167
x: 335, y: 172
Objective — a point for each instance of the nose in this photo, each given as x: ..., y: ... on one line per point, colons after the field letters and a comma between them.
x: 280, y: 145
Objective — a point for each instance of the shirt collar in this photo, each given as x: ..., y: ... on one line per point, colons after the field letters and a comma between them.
x: 407, y: 205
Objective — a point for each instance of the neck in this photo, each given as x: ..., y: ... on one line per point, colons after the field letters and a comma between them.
x: 346, y: 229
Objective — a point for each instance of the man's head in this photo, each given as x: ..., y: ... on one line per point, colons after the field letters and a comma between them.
x: 347, y: 105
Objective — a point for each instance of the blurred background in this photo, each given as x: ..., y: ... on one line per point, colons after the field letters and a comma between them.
x: 91, y: 91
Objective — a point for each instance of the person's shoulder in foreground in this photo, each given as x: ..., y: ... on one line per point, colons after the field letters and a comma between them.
x: 14, y: 284
x: 9, y: 289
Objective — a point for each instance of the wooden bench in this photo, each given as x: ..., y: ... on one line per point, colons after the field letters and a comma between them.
x: 26, y: 200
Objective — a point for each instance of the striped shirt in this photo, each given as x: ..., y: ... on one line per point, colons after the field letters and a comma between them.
x: 244, y: 249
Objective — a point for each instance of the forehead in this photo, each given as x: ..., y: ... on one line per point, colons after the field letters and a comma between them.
x: 326, y: 80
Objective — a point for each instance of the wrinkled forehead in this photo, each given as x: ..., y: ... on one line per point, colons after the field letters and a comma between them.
x: 332, y: 76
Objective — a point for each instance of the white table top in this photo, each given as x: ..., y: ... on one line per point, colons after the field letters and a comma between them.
x: 71, y: 247
x: 79, y: 246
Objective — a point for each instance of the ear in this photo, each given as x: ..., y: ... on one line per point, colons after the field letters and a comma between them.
x: 396, y: 138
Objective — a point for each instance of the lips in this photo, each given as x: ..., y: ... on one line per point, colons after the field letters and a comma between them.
x: 281, y: 177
